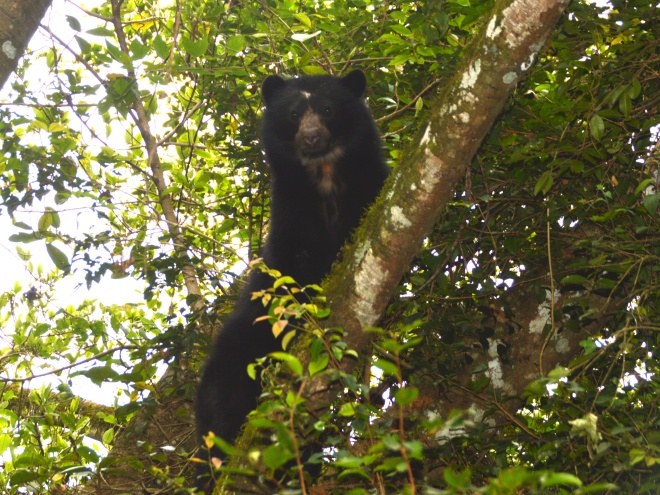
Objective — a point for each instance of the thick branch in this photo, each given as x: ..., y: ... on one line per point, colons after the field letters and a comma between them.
x: 425, y: 180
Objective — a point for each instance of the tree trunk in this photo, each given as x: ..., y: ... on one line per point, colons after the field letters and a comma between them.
x: 18, y: 22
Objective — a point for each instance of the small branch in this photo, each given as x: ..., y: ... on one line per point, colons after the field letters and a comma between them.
x: 183, y: 120
x: 409, y: 105
x: 175, y: 35
x: 77, y: 57
x: 70, y: 366
x: 141, y: 119
x: 92, y: 14
x: 552, y: 298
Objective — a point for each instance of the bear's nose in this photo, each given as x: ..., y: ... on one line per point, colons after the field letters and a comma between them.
x: 311, y: 137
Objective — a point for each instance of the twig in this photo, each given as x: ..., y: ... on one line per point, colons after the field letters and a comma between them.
x: 64, y: 368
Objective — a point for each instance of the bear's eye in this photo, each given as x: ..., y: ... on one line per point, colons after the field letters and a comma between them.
x: 327, y: 110
x: 294, y: 115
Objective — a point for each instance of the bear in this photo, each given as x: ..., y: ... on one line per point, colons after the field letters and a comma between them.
x: 326, y: 166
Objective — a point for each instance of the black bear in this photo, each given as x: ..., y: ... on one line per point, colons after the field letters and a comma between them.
x: 326, y: 164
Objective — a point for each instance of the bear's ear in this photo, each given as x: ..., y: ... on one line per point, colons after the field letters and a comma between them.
x: 356, y: 82
x: 270, y: 87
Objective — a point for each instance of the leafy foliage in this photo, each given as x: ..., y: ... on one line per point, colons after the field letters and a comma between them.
x: 560, y: 203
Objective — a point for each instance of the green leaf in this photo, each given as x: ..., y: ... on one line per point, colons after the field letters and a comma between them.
x: 589, y: 346
x: 597, y: 127
x: 288, y: 337
x: 59, y: 259
x: 457, y: 479
x: 553, y: 479
x: 62, y: 197
x: 138, y: 50
x: 108, y: 436
x: 45, y: 221
x: 347, y: 410
x: 558, y: 373
x: 236, y: 44
x: 162, y: 48
x: 401, y: 59
x: 513, y: 478
x: 405, y: 396
x: 101, y: 31
x: 575, y: 280
x: 23, y: 254
x: 388, y: 367
x: 88, y: 454
x: 24, y: 237
x: 635, y: 89
x: 349, y: 462
x: 544, y: 183
x: 319, y: 364
x: 304, y: 19
x: 292, y: 361
x: 419, y: 104
x: 283, y: 280
x: 625, y: 104
x: 99, y: 374
x: 313, y: 70
x: 195, y: 48
x: 642, y: 186
x: 73, y: 23
x: 5, y: 442
x: 275, y: 456
x: 226, y: 447
x: 84, y: 45
x: 22, y: 477
x: 119, y: 56
x: 636, y: 455
x: 23, y: 225
x: 651, y: 202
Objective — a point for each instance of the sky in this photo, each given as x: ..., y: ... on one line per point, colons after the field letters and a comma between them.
x: 74, y: 214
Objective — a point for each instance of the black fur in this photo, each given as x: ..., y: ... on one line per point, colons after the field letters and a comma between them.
x: 326, y: 166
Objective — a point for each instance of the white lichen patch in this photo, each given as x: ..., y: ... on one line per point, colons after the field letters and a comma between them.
x: 528, y: 63
x: 497, y: 376
x: 447, y: 432
x: 464, y: 117
x: 563, y: 346
x: 495, y: 368
x: 510, y: 78
x: 470, y: 77
x: 370, y: 272
x: 431, y: 172
x: 360, y: 251
x: 398, y: 218
x: 426, y: 138
x: 493, y: 30
x: 543, y: 314
x: 477, y: 415
x: 448, y: 109
x: 9, y: 50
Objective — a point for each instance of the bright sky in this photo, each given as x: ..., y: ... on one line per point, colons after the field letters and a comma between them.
x: 74, y: 215
x: 75, y: 218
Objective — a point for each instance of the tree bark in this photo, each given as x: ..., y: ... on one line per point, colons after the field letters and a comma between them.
x: 18, y: 22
